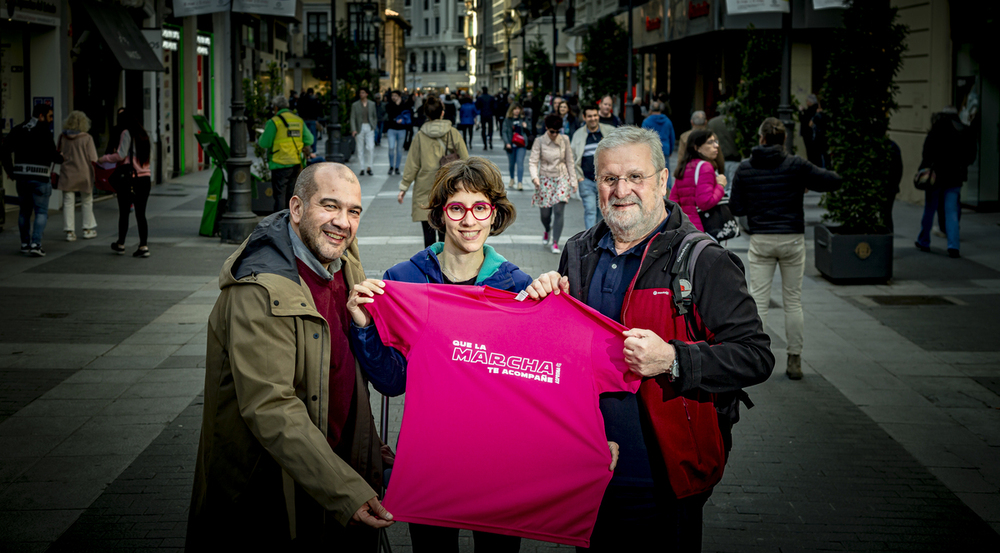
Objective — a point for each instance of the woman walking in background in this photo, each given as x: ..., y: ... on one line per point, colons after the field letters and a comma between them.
x: 570, y: 122
x: 553, y: 172
x: 515, y: 141
x: 698, y: 187
x: 435, y: 139
x: 77, y: 174
x: 132, y: 156
x: 948, y: 150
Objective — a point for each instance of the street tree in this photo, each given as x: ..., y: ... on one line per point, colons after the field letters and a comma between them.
x: 603, y: 70
x: 858, y: 98
x: 538, y: 68
x: 759, y: 91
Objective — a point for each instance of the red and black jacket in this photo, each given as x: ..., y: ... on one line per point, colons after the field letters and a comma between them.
x: 723, y: 348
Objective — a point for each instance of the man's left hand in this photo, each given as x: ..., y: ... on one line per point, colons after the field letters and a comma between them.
x: 646, y: 354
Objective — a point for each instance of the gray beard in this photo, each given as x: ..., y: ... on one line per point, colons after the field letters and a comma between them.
x: 628, y: 227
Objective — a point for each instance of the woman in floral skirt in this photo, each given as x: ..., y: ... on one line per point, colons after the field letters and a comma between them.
x: 554, y: 175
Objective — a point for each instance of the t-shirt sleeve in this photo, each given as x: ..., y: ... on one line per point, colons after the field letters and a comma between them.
x: 400, y: 313
x: 607, y: 352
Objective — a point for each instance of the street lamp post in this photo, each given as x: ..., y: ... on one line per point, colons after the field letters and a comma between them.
x: 333, y: 151
x: 522, y: 14
x: 239, y: 220
x: 555, y: 42
x: 627, y: 110
x: 508, y: 25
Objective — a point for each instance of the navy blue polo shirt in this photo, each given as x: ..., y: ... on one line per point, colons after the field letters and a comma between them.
x: 621, y: 409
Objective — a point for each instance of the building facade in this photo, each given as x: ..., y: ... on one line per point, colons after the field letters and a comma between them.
x: 436, y: 51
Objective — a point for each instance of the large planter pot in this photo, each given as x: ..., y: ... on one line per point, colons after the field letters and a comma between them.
x: 853, y: 257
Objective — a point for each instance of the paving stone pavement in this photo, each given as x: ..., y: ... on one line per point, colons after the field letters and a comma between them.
x: 888, y: 444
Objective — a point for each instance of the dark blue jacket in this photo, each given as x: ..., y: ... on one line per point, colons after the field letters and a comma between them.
x: 385, y: 366
x: 468, y: 113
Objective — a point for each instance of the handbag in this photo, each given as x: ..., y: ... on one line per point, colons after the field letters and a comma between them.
x: 925, y: 179
x: 448, y: 157
x: 102, y: 176
x: 718, y: 221
x: 124, y: 172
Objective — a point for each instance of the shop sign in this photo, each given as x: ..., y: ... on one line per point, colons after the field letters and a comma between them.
x: 171, y: 39
x: 827, y: 4
x: 32, y: 11
x: 204, y: 44
x: 653, y: 23
x: 184, y: 8
x: 698, y: 9
x: 284, y: 8
x: 739, y: 7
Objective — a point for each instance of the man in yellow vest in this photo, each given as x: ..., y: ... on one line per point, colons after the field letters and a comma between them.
x: 285, y: 136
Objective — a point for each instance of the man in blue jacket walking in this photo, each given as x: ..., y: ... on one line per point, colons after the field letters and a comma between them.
x: 661, y: 124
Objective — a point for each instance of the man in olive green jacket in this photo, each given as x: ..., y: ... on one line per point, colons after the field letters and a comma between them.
x: 265, y: 472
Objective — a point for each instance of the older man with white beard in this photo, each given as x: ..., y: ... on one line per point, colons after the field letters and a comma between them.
x: 626, y: 261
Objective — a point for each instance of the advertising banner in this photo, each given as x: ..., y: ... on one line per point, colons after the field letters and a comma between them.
x: 184, y: 8
x: 284, y: 8
x: 740, y: 7
x: 827, y: 4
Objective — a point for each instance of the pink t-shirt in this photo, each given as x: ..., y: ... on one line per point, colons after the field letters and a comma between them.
x: 502, y: 431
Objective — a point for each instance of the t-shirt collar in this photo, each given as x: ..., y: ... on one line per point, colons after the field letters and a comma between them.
x: 307, y: 257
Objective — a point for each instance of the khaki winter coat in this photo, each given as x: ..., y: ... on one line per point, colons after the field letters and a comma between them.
x: 424, y: 159
x: 76, y: 174
x: 265, y: 472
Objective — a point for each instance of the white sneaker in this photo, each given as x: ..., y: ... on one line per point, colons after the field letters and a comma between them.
x: 511, y: 185
x: 939, y: 234
x: 70, y: 236
x: 89, y: 233
x: 555, y: 249
x: 519, y: 187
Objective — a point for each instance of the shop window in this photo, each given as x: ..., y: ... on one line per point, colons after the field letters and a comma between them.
x: 316, y: 30
x: 265, y: 36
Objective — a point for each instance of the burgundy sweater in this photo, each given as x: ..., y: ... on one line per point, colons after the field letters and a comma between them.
x: 331, y: 302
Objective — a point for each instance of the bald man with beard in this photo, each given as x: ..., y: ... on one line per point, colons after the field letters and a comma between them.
x: 288, y: 448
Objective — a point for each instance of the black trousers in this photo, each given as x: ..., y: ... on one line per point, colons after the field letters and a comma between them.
x: 430, y: 235
x: 633, y: 518
x: 487, y: 125
x: 439, y: 539
x: 133, y: 192
x: 283, y: 185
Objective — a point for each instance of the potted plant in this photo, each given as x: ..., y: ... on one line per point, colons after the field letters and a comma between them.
x: 859, y: 96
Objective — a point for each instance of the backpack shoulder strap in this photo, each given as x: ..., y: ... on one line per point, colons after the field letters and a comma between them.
x: 682, y: 270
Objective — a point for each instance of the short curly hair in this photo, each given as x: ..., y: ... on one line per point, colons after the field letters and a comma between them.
x: 474, y: 174
x: 77, y: 121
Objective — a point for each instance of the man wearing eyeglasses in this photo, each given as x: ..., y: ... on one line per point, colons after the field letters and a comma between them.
x: 627, y: 260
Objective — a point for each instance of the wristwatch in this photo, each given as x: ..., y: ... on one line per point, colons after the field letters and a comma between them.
x: 675, y: 371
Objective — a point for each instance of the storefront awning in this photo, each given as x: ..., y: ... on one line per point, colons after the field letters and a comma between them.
x: 123, y: 37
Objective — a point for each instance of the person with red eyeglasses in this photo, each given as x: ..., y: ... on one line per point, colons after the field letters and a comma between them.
x: 468, y: 203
